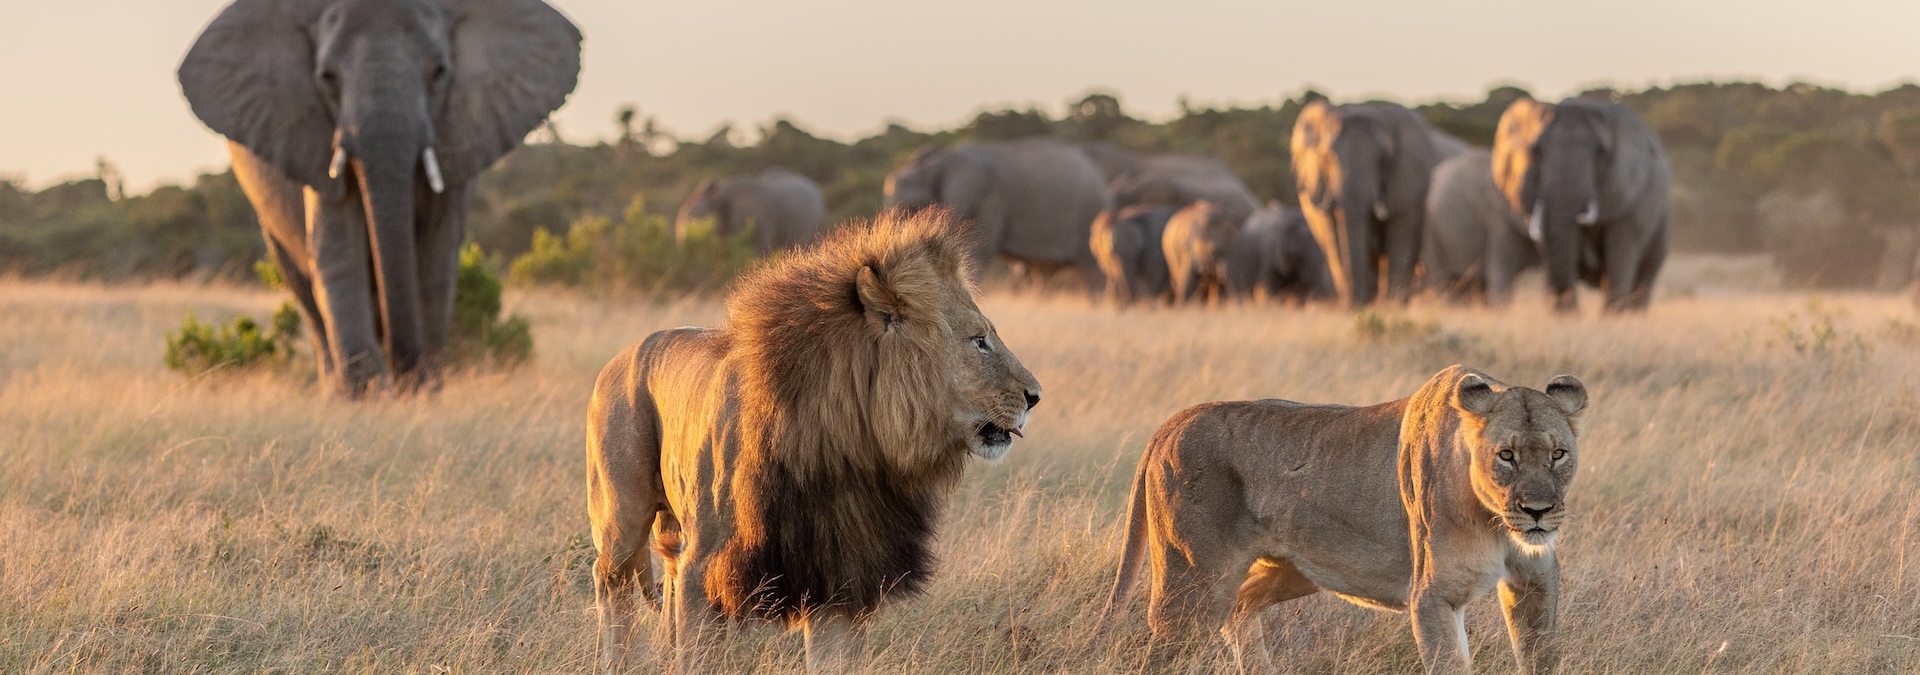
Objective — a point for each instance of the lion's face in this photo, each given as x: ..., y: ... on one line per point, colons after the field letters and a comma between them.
x: 1524, y: 453
x: 993, y: 391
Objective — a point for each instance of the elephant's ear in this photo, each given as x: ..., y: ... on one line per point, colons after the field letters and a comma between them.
x: 1519, y: 129
x: 514, y: 63
x: 250, y: 78
x: 1311, y: 145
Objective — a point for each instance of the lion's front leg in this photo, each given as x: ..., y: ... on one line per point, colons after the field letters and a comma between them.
x: 1530, y: 597
x: 834, y: 643
x: 1440, y: 631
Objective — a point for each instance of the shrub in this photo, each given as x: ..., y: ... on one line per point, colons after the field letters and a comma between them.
x: 200, y: 347
x: 478, y: 335
x: 638, y: 252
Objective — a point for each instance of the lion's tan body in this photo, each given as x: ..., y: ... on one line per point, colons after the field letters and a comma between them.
x: 790, y: 466
x: 1240, y: 505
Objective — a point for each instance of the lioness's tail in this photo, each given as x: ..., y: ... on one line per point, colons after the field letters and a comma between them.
x: 1135, y: 546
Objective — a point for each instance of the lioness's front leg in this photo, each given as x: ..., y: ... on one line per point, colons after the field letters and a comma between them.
x: 1529, y: 596
x: 1440, y: 630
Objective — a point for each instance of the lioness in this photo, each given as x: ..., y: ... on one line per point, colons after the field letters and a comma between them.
x: 1424, y: 503
x: 791, y: 465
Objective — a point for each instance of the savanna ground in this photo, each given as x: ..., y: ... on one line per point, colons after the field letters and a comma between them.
x: 1746, y: 501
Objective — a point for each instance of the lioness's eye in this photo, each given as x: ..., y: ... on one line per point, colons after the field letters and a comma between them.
x: 1559, y: 454
x: 981, y: 342
x: 1506, y: 456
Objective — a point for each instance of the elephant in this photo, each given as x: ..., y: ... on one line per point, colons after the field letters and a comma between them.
x: 1178, y: 180
x: 1594, y: 182
x: 1474, y: 243
x: 783, y: 208
x: 356, y: 128
x: 1127, y: 242
x: 1203, y: 254
x: 1362, y: 174
x: 1032, y: 200
x: 1282, y: 258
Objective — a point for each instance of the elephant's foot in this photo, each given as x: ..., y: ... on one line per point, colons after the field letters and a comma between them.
x: 1566, y: 302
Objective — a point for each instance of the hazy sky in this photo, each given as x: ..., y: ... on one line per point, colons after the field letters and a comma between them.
x: 81, y: 79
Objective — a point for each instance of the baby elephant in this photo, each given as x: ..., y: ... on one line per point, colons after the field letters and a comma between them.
x: 1423, y: 505
x: 1127, y: 244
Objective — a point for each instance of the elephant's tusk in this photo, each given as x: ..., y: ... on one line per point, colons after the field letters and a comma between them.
x: 1380, y: 211
x: 1537, y: 223
x: 433, y: 171
x: 1591, y: 215
x: 339, y: 162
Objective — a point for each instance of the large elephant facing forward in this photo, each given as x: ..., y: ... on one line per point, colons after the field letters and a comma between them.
x: 1362, y: 172
x: 783, y: 209
x: 1474, y: 242
x: 1594, y: 182
x: 356, y: 128
x: 1032, y: 200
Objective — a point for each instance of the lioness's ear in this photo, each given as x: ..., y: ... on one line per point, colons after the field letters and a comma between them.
x: 1473, y: 395
x: 1567, y: 391
x: 877, y: 301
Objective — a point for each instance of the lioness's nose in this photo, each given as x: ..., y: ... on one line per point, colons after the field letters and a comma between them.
x: 1538, y: 509
x: 1033, y: 399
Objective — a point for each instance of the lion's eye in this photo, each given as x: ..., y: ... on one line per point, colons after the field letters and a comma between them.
x: 980, y: 341
x: 1559, y: 455
x: 1506, y: 456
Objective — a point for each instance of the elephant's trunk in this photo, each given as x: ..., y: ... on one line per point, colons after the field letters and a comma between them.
x: 387, y: 186
x: 1560, y: 242
x: 1361, y: 216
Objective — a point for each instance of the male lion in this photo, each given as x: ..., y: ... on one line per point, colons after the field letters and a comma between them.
x: 791, y: 465
x: 1423, y: 503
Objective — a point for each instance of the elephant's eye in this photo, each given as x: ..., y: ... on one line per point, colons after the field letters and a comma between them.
x: 439, y: 71
x: 1506, y: 456
x: 1559, y: 455
x: 980, y: 342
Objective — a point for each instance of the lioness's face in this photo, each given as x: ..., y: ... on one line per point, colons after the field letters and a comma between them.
x: 1524, y: 457
x: 994, y: 392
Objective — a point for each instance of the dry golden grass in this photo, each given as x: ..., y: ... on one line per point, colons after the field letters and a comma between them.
x: 1747, y: 500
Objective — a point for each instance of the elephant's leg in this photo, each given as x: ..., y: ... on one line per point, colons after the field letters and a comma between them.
x: 1507, y: 254
x: 1651, y: 260
x: 304, y: 289
x: 438, y: 256
x: 1620, y: 265
x: 337, y: 231
x: 1401, y: 244
x: 1269, y: 581
x: 280, y: 205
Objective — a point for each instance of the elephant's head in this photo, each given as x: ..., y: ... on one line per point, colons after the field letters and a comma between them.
x: 391, y: 102
x: 958, y: 177
x: 709, y: 200
x: 1343, y: 164
x: 1546, y: 160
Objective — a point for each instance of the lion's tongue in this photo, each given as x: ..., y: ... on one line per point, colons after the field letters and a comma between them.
x: 1016, y: 431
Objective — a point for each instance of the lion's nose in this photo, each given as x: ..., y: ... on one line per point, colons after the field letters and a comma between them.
x: 1033, y: 399
x: 1538, y: 509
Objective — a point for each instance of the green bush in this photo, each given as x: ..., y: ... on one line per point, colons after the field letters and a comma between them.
x: 478, y: 334
x: 200, y: 347
x: 638, y: 252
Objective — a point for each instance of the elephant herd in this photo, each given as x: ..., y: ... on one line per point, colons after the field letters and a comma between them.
x: 1389, y: 206
x: 357, y: 127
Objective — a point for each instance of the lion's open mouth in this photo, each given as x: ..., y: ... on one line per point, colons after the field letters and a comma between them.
x: 993, y: 434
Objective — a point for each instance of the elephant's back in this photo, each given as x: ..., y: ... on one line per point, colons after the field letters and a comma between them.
x: 791, y: 205
x: 1051, y: 193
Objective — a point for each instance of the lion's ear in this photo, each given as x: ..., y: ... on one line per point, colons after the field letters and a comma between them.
x: 1569, y: 393
x: 880, y: 303
x: 1473, y: 395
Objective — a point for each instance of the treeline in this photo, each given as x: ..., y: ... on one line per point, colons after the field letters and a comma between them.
x: 1827, y: 180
